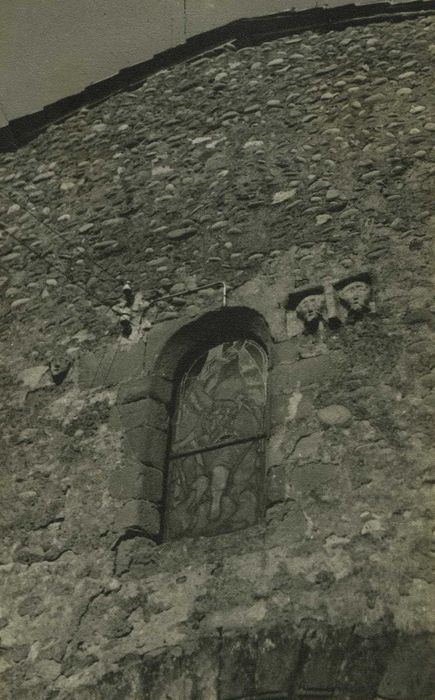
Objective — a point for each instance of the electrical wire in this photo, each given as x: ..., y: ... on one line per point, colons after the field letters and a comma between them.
x: 44, y: 258
x: 21, y: 202
x: 70, y: 279
x: 57, y: 233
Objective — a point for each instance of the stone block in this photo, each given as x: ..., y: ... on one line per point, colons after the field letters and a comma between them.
x: 324, y: 657
x: 152, y: 484
x: 138, y: 514
x: 115, y: 685
x: 277, y: 660
x: 35, y: 377
x: 148, y: 445
x: 261, y: 294
x: 410, y: 673
x: 277, y: 484
x: 284, y: 378
x: 151, y: 386
x: 134, y: 480
x: 277, y: 448
x: 278, y: 410
x: 238, y: 662
x: 334, y: 415
x: 285, y: 352
x: 419, y: 316
x: 315, y: 478
x: 134, y: 552
x: 286, y: 524
x: 143, y: 412
x: 111, y: 365
x: 307, y: 448
x: 157, y: 338
x: 364, y: 666
x: 115, y: 422
x: 258, y: 665
x: 127, y: 482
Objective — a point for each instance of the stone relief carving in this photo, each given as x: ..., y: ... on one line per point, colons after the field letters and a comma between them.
x: 59, y: 368
x: 329, y: 304
x: 310, y: 309
x: 355, y: 297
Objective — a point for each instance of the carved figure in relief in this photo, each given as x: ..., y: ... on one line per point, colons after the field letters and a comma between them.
x: 309, y: 310
x: 329, y: 304
x: 355, y: 296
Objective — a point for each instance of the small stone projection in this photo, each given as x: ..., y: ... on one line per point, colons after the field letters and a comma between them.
x: 333, y: 303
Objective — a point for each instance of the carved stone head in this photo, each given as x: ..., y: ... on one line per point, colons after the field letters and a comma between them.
x: 59, y: 368
x: 309, y: 310
x: 355, y: 296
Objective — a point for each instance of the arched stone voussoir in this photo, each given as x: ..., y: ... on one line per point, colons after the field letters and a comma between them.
x: 169, y: 358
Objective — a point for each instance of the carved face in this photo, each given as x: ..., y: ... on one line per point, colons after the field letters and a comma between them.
x: 59, y: 368
x: 355, y: 295
x: 309, y: 308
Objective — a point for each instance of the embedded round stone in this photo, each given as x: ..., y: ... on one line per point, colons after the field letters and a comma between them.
x: 334, y: 415
x: 181, y: 234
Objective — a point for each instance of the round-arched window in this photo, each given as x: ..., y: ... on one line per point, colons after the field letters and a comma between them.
x: 216, y: 457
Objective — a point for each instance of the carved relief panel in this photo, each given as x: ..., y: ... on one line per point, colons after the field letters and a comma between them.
x: 329, y: 304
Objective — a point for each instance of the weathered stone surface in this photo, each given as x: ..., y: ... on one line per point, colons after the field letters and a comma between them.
x: 311, y: 370
x: 276, y: 662
x: 127, y: 481
x: 138, y: 515
x: 325, y: 654
x: 307, y: 448
x: 111, y: 365
x: 134, y: 555
x: 153, y: 387
x: 315, y: 478
x: 143, y: 412
x: 364, y: 664
x: 181, y: 234
x: 410, y: 672
x: 285, y: 352
x: 34, y: 376
x: 148, y: 445
x: 237, y: 679
x: 152, y: 484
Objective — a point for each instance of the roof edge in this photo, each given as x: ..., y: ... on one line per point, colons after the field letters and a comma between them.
x: 240, y: 33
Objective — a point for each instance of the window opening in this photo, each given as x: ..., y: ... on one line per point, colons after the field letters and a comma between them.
x: 216, y: 456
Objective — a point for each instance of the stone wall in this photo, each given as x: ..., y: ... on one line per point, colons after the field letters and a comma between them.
x: 293, y: 164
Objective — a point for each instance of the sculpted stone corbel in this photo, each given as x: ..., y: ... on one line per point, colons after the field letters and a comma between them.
x: 355, y: 297
x: 310, y: 311
x: 331, y: 303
